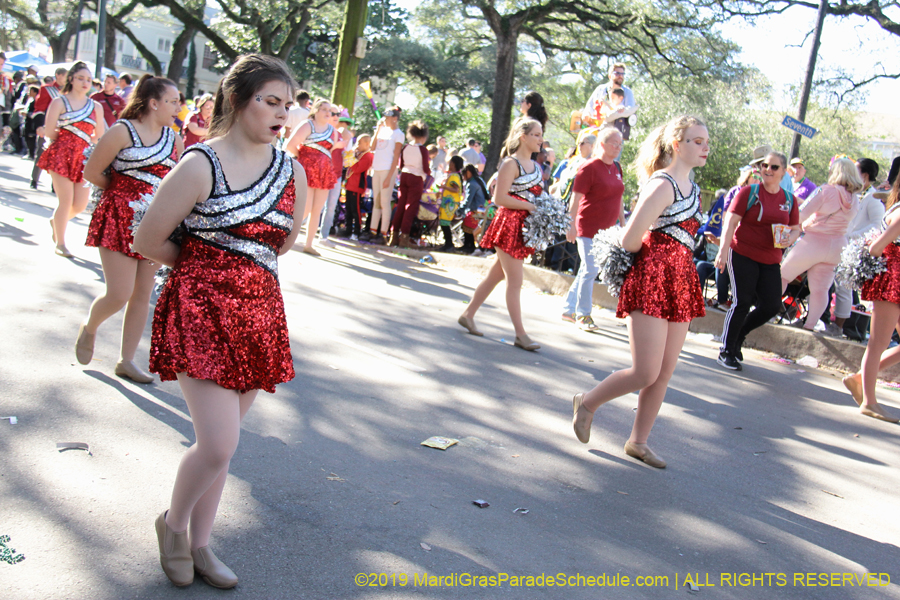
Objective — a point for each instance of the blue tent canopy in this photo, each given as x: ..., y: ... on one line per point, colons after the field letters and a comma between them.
x: 21, y: 60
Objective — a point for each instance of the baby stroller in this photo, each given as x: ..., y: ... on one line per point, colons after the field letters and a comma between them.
x: 425, y: 225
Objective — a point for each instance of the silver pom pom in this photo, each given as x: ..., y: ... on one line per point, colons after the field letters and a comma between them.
x: 857, y: 266
x: 162, y: 275
x: 95, y: 191
x: 614, y: 260
x: 549, y: 219
x: 139, y: 207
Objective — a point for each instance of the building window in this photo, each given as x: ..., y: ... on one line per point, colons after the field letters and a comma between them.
x: 209, y: 58
x: 163, y: 45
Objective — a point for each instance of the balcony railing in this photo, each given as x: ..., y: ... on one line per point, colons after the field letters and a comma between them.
x: 132, y: 62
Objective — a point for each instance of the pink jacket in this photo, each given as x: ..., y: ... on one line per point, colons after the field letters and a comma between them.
x: 829, y: 211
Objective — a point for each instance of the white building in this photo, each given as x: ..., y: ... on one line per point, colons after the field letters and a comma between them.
x: 157, y: 30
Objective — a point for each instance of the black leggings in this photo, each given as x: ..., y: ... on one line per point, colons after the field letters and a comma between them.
x: 752, y: 284
x: 351, y: 207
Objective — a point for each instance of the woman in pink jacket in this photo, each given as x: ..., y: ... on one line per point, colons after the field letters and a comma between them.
x: 823, y: 221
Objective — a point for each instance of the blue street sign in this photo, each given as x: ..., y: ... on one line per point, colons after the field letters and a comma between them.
x: 799, y: 126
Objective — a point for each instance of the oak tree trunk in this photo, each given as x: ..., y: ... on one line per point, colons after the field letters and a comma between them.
x: 502, y: 101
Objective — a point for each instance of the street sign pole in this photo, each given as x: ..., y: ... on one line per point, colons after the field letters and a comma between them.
x: 810, y: 71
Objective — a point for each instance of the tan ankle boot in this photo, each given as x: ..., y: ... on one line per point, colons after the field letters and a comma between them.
x: 174, y: 553
x: 404, y: 241
x: 393, y: 240
x: 212, y: 570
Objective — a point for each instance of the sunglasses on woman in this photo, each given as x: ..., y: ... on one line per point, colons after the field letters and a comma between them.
x: 770, y: 167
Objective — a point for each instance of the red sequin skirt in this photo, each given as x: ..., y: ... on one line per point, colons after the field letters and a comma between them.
x: 505, y: 232
x: 221, y: 317
x: 885, y: 286
x: 65, y: 156
x: 319, y: 168
x: 110, y: 226
x: 663, y: 282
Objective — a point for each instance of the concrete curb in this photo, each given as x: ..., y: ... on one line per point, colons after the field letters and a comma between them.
x: 789, y: 342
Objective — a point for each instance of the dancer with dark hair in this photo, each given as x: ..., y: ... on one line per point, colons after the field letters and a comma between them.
x: 129, y: 162
x: 661, y: 294
x: 73, y: 122
x: 532, y: 105
x: 219, y: 326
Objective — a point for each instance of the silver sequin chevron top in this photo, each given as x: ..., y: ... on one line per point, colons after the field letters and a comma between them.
x: 135, y: 160
x: 522, y: 184
x: 227, y: 209
x: 68, y: 119
x: 683, y: 209
x: 315, y: 139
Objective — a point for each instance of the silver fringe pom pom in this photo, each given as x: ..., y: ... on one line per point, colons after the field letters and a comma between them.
x: 614, y: 260
x: 549, y: 219
x: 95, y: 191
x: 139, y: 207
x: 857, y: 266
x: 162, y: 274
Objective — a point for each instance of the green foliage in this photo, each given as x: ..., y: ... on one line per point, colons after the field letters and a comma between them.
x: 738, y: 114
x: 7, y: 554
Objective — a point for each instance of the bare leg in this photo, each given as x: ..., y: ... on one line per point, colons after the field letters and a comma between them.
x: 484, y: 289
x: 137, y: 309
x: 216, y: 413
x: 651, y: 397
x: 79, y: 200
x: 65, y: 195
x: 647, y: 336
x: 884, y: 317
x: 319, y: 197
x: 204, y: 514
x: 120, y: 272
x: 514, y: 271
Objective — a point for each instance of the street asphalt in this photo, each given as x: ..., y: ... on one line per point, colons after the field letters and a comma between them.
x: 776, y: 487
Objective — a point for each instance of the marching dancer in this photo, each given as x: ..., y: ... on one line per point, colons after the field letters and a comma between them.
x: 661, y: 294
x: 219, y: 326
x: 73, y: 122
x: 312, y: 143
x: 139, y: 150
x: 884, y: 292
x: 519, y: 180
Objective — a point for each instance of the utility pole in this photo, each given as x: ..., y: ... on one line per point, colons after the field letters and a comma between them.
x: 810, y: 71
x: 101, y: 38
x: 351, y: 50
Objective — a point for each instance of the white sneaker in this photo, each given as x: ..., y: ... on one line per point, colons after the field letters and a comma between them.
x: 354, y: 238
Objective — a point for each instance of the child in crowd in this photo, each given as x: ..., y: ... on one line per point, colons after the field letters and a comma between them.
x: 451, y: 195
x: 357, y: 183
x: 415, y: 168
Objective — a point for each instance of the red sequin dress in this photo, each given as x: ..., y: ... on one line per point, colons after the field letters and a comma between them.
x: 505, y: 230
x: 663, y: 281
x: 135, y: 172
x: 65, y: 155
x: 885, y: 286
x: 315, y: 156
x: 220, y: 315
